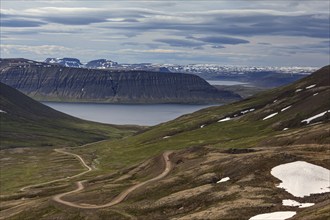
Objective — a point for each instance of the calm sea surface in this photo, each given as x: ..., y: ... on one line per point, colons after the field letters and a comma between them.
x: 225, y: 83
x: 125, y: 113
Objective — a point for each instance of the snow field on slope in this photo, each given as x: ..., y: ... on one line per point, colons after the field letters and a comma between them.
x: 290, y: 202
x: 274, y: 216
x: 302, y: 179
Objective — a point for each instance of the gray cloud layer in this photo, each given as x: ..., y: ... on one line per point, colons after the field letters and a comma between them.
x: 20, y: 23
x: 222, y: 40
x: 206, y: 27
x: 179, y: 43
x: 218, y: 22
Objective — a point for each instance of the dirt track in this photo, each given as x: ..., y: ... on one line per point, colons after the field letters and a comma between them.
x: 65, y: 178
x: 80, y: 186
x: 121, y: 196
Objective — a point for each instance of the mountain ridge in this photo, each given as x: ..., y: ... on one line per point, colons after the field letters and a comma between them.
x: 264, y: 76
x: 56, y: 83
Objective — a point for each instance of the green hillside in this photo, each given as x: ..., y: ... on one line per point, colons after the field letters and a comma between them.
x: 241, y: 141
x: 28, y: 123
x: 242, y: 131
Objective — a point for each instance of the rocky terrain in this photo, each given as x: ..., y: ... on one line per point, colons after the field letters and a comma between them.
x: 52, y: 82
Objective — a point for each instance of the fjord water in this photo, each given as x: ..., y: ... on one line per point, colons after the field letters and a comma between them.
x: 138, y: 114
x: 225, y: 82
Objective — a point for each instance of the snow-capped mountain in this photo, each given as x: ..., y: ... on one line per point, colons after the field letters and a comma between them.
x: 101, y: 64
x: 214, y: 68
x: 67, y: 62
x: 206, y: 69
x: 266, y: 76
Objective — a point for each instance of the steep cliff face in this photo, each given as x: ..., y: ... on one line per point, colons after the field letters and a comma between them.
x: 48, y: 82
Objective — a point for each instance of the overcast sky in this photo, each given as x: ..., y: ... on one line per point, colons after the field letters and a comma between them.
x: 233, y: 32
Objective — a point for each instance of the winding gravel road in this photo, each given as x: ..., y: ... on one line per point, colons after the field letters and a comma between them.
x: 65, y: 178
x: 121, y: 196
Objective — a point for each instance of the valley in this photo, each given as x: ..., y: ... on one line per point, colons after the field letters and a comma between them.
x: 130, y: 178
x: 165, y: 110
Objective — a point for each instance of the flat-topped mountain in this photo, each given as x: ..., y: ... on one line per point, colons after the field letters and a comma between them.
x: 67, y: 62
x: 48, y: 82
x: 101, y: 64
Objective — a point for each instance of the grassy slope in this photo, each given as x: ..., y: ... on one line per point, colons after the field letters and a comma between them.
x: 29, y: 131
x: 246, y: 131
x: 28, y: 123
x: 242, y: 132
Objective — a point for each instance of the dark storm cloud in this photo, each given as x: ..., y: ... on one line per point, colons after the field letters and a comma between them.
x: 180, y: 43
x: 20, y: 23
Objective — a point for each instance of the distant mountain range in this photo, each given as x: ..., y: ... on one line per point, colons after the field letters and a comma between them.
x: 266, y: 77
x: 54, y: 82
x: 74, y: 62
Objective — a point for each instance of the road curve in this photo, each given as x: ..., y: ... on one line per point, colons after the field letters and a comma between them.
x: 4, y: 215
x: 65, y: 178
x: 121, y: 196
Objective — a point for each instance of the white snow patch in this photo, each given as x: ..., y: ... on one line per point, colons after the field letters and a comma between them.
x: 308, y: 120
x: 284, y: 129
x: 315, y: 94
x: 270, y: 116
x: 275, y: 101
x: 224, y: 180
x: 274, y: 216
x: 289, y: 202
x: 202, y: 126
x: 286, y: 108
x: 248, y: 110
x: 244, y: 112
x: 298, y: 90
x: 311, y: 86
x: 165, y: 137
x: 302, y: 179
x: 225, y: 119
x: 1, y: 111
